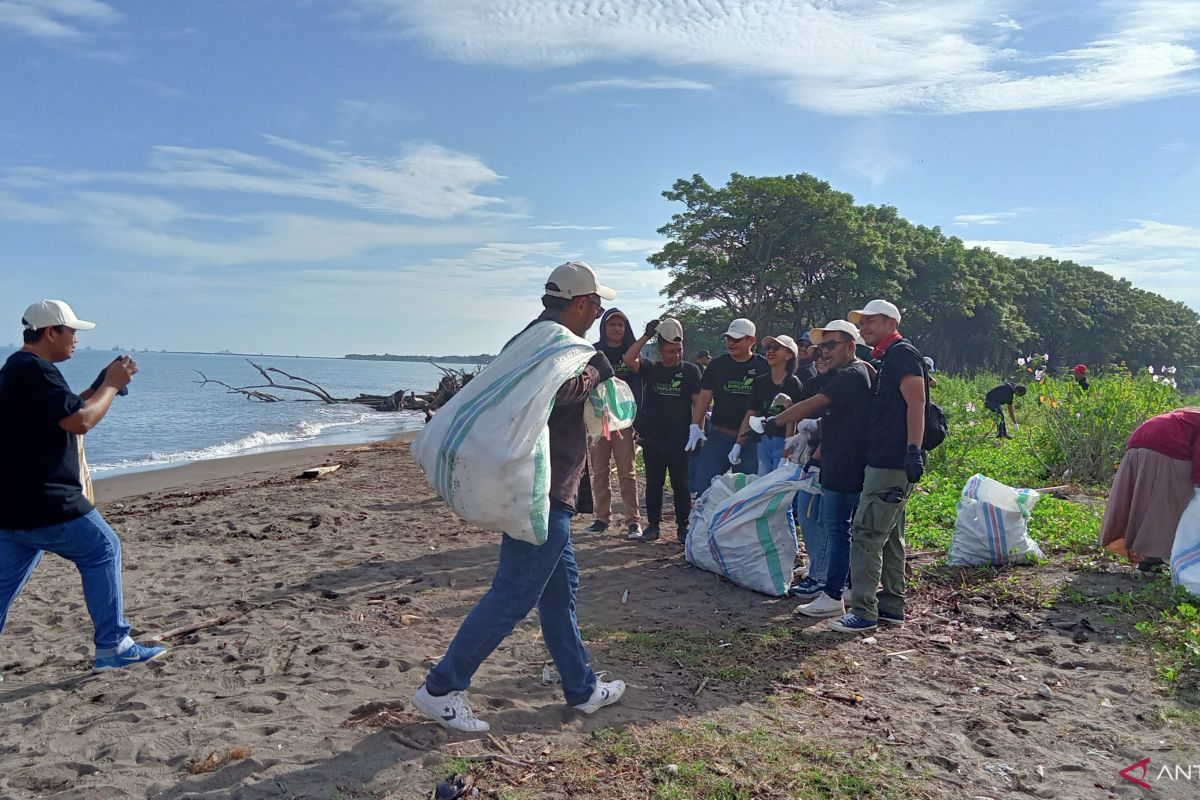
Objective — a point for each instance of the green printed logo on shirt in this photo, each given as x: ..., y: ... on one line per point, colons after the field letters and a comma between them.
x: 670, y: 389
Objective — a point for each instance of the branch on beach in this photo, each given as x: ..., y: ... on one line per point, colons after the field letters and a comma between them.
x: 452, y: 381
x: 251, y: 392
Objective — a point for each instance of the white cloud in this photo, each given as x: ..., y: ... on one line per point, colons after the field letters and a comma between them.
x: 848, y: 58
x: 1156, y: 256
x: 636, y: 84
x: 425, y: 180
x: 56, y: 20
x: 627, y: 244
x: 873, y: 152
x: 989, y: 218
x: 562, y: 226
x: 129, y: 212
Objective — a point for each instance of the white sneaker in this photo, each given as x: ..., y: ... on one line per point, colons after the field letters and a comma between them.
x: 605, y: 694
x: 635, y: 530
x: 450, y: 711
x: 823, y: 606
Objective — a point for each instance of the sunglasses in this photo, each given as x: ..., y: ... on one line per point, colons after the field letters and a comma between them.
x: 829, y: 344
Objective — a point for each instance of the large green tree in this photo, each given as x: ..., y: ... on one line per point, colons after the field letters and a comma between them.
x: 791, y: 252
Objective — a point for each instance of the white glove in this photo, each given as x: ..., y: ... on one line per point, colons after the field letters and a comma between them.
x: 695, y: 437
x: 735, y: 454
x: 1016, y: 427
x: 756, y: 424
x: 808, y: 425
x: 794, y: 443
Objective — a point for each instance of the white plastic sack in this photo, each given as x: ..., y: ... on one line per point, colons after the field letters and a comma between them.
x: 1185, y: 553
x: 740, y: 528
x: 487, y: 451
x: 610, y: 407
x: 992, y: 525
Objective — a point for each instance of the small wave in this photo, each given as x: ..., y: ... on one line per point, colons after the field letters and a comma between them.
x: 303, y: 431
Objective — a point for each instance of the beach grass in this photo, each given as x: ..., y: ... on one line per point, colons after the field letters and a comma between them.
x: 692, y: 760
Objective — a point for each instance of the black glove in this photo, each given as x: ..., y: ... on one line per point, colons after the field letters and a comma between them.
x: 651, y: 327
x: 96, y: 384
x: 602, y: 366
x: 914, y: 463
x: 771, y: 428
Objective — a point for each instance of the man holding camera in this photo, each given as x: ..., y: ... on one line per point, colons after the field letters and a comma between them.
x: 42, y: 502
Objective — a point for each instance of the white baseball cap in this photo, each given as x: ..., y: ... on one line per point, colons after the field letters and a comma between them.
x: 841, y: 325
x: 882, y: 307
x: 740, y: 328
x: 576, y: 279
x: 669, y: 330
x: 48, y: 313
x: 784, y: 341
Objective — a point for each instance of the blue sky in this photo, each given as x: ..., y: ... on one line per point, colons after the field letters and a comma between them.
x: 344, y: 176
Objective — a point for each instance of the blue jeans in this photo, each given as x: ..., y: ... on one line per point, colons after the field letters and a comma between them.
x: 543, y: 575
x: 770, y: 453
x: 92, y: 546
x: 713, y: 459
x: 837, y: 524
x: 807, y: 510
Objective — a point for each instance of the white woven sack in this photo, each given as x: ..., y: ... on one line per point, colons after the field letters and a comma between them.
x: 487, y: 451
x: 1185, y: 553
x: 992, y: 525
x: 611, y: 407
x: 743, y: 530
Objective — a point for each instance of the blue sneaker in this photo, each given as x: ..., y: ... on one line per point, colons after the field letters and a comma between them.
x: 852, y: 623
x: 807, y: 589
x: 134, y: 655
x: 891, y: 619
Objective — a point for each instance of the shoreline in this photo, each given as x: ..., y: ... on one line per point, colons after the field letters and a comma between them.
x: 198, y: 473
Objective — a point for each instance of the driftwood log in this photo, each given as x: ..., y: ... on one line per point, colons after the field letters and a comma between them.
x: 449, y: 385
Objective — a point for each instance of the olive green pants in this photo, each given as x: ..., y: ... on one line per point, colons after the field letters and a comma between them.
x: 877, y: 553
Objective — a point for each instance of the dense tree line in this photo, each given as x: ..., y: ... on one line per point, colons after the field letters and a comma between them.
x: 790, y: 252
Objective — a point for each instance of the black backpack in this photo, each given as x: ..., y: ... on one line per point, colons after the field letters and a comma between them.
x: 936, y: 425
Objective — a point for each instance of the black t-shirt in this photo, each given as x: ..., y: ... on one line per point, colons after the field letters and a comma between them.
x: 888, y: 437
x: 620, y: 370
x: 764, y: 389
x: 731, y: 382
x: 1000, y: 395
x: 806, y: 372
x: 668, y: 393
x: 39, y: 462
x: 844, y: 428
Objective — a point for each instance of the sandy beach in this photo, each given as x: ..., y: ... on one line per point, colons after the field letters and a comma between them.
x: 335, y: 594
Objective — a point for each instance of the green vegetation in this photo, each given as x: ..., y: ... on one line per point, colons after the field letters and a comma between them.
x: 1067, y: 436
x: 709, y: 761
x: 790, y: 252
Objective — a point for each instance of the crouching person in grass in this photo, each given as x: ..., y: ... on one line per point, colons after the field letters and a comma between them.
x: 895, y: 463
x: 669, y: 389
x: 545, y: 575
x: 42, y: 502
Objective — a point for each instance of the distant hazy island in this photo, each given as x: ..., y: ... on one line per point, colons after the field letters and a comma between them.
x: 480, y: 359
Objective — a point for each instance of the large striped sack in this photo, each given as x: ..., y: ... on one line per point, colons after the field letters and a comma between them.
x: 487, y: 451
x: 992, y: 526
x: 1185, y: 553
x: 741, y: 528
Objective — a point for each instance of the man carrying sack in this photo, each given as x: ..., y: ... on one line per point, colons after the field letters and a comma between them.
x: 543, y: 575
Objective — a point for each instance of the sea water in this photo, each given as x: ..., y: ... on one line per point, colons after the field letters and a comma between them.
x: 168, y: 418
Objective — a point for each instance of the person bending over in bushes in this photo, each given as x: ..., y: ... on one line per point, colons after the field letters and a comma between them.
x: 997, y: 398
